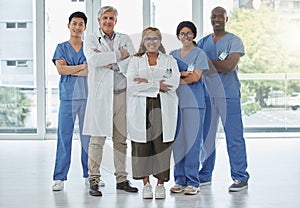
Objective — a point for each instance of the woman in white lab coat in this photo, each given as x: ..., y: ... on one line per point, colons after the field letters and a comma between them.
x: 152, y: 106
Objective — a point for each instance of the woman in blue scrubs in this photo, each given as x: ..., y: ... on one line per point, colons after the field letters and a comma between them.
x: 191, y: 61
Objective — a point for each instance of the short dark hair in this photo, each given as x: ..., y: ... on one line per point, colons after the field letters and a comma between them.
x: 79, y: 15
x: 186, y: 24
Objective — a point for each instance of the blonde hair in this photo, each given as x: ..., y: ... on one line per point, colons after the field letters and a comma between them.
x: 142, y: 48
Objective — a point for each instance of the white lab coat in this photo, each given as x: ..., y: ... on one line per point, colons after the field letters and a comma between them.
x: 98, y: 119
x: 137, y: 94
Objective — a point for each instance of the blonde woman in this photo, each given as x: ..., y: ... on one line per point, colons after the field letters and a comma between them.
x: 152, y: 106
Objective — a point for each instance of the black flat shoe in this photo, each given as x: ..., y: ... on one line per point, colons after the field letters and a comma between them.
x: 126, y: 186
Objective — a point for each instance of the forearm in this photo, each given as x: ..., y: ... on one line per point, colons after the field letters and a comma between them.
x: 70, y: 70
x: 189, y: 78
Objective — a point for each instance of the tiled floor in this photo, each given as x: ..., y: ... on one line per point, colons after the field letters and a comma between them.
x: 26, y: 177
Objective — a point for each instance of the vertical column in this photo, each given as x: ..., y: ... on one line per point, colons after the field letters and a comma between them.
x: 146, y: 13
x: 92, y: 8
x: 197, y: 16
x: 39, y: 64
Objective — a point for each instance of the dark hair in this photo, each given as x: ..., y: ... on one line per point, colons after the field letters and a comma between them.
x: 79, y: 15
x: 186, y: 24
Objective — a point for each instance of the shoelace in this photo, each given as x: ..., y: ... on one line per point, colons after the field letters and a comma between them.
x: 95, y: 182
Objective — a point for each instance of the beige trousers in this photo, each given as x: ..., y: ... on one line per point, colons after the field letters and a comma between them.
x: 119, y: 143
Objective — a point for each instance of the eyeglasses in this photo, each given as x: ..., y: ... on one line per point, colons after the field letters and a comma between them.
x: 182, y: 35
x: 149, y: 40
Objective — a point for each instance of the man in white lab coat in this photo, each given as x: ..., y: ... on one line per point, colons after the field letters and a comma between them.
x: 107, y: 55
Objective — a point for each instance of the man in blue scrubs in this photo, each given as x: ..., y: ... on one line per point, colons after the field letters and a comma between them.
x: 73, y: 90
x: 224, y: 50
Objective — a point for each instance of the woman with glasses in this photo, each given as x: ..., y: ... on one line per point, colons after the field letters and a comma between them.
x: 152, y: 80
x: 192, y: 61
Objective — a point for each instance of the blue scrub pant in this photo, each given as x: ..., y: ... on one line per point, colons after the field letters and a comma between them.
x: 230, y: 112
x: 187, y: 145
x: 66, y: 118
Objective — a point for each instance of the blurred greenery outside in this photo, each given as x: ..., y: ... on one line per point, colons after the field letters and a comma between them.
x: 271, y: 46
x: 14, y: 107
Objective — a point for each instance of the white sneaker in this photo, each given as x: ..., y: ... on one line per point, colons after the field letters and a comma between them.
x: 191, y: 190
x: 87, y: 182
x: 177, y: 188
x: 147, y: 191
x: 160, y: 191
x: 58, y: 185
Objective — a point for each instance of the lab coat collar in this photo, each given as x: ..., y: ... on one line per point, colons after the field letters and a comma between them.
x: 105, y: 36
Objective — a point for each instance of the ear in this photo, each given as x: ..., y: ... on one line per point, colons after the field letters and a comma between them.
x: 226, y: 19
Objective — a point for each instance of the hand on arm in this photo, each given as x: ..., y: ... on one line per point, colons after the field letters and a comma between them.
x: 140, y: 80
x: 188, y: 78
x: 164, y: 87
x: 228, y: 64
x: 64, y: 69
x: 124, y: 54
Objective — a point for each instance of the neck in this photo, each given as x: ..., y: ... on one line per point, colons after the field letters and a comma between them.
x: 188, y: 47
x: 219, y: 33
x: 152, y: 54
x: 75, y: 40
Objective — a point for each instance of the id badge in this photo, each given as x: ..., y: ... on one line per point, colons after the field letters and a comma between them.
x: 190, y: 68
x: 223, y: 56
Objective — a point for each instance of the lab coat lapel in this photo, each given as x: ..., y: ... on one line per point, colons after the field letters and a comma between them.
x: 103, y: 43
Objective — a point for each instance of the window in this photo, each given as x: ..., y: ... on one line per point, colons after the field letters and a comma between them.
x: 16, y: 25
x: 11, y: 63
x: 22, y: 63
x: 10, y: 25
x: 22, y: 24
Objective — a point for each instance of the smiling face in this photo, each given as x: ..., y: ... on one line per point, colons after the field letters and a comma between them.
x: 151, y: 41
x: 186, y: 36
x: 218, y: 19
x: 76, y: 27
x: 107, y: 22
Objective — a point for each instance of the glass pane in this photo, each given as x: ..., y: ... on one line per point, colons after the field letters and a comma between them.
x: 167, y: 24
x: 18, y: 97
x: 269, y: 77
x: 130, y: 21
x: 56, y: 32
x: 10, y: 25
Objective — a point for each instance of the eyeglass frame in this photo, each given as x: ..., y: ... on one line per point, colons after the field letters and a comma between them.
x: 153, y: 40
x: 182, y: 35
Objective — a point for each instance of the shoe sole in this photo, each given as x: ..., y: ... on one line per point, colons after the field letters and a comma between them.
x: 237, y: 189
x: 95, y: 194
x: 57, y: 189
x: 205, y: 183
x: 176, y: 191
x: 148, y: 197
x: 160, y: 197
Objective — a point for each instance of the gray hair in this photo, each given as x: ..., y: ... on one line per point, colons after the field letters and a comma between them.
x: 105, y: 9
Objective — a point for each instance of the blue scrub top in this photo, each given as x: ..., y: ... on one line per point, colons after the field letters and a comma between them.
x: 229, y: 43
x: 191, y: 95
x: 71, y: 87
